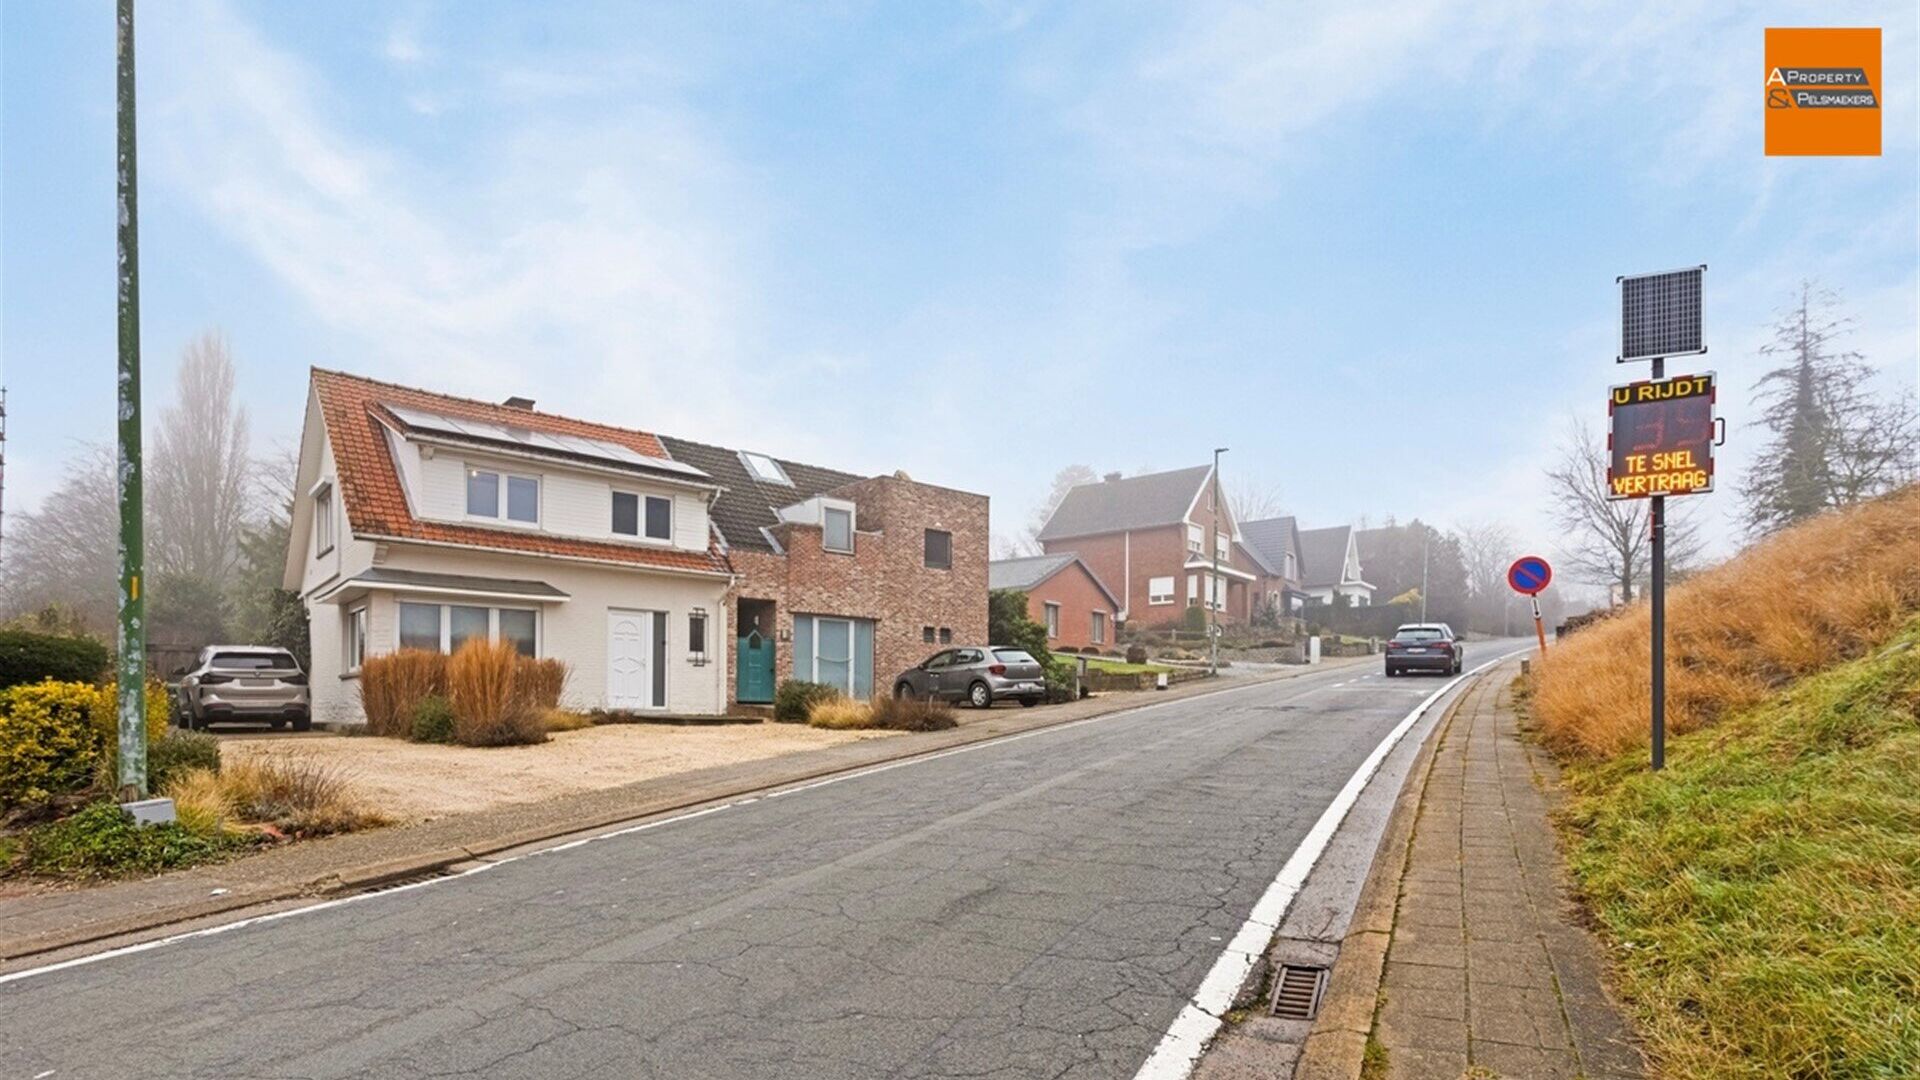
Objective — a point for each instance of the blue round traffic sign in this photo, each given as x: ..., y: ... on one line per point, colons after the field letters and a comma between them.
x: 1529, y: 574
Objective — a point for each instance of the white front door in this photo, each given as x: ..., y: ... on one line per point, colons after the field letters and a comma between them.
x: 630, y: 681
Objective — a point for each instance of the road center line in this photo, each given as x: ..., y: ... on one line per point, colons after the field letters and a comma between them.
x: 1186, y: 1039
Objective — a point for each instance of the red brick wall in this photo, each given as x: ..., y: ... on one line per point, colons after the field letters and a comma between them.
x: 1079, y: 596
x: 885, y: 578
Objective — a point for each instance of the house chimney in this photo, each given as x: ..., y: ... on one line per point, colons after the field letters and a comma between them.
x: 1111, y: 477
x: 519, y: 403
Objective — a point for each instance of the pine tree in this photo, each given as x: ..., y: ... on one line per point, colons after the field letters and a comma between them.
x: 1834, y: 442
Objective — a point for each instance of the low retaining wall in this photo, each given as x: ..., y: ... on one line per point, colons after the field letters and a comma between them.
x: 1099, y: 681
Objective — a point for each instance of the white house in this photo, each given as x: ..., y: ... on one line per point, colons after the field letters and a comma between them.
x: 422, y: 520
x: 1330, y: 567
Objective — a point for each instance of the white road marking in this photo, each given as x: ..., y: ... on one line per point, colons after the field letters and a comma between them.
x: 324, y: 905
x: 1186, y: 1039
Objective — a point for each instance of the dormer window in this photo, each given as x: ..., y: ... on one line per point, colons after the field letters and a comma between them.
x: 836, y: 529
x: 488, y: 492
x: 764, y: 469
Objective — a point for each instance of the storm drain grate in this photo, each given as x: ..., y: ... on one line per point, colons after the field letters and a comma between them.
x: 1296, y: 995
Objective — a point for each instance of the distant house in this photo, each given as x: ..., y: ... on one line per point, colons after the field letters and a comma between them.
x: 1274, y: 545
x: 1330, y: 567
x: 1066, y: 597
x: 1155, y: 540
x: 842, y: 580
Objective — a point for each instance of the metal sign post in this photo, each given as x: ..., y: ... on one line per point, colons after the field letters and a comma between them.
x: 1530, y: 575
x: 1660, y: 434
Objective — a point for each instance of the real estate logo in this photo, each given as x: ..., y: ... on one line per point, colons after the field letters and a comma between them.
x: 1823, y: 91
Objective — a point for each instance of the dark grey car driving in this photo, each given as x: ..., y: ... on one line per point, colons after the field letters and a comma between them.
x: 978, y: 675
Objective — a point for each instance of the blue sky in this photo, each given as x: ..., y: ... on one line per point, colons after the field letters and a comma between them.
x: 1369, y: 247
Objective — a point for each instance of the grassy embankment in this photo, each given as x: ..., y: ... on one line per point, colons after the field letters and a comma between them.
x: 1761, y: 897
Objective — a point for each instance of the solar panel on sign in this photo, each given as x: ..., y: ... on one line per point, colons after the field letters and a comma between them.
x: 1660, y: 315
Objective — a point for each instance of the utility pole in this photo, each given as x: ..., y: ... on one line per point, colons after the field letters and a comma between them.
x: 3, y: 467
x: 1657, y: 596
x: 133, y: 631
x: 1214, y: 599
x: 1426, y: 536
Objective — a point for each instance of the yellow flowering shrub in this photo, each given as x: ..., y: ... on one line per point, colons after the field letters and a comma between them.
x: 50, y: 741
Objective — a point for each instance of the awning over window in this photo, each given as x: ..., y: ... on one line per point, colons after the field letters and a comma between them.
x: 386, y: 579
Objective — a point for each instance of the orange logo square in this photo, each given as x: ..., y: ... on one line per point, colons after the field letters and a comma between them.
x: 1823, y: 91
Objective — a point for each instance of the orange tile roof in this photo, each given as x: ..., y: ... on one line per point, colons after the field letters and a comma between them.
x: 376, y: 505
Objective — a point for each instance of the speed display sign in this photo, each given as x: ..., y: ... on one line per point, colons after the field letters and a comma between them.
x: 1660, y: 437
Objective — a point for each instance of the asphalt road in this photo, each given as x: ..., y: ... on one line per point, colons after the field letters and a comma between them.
x: 1036, y: 907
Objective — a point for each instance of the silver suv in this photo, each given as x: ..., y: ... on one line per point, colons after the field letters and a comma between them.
x: 244, y: 683
x: 977, y: 675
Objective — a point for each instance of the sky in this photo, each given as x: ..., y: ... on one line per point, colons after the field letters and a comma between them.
x: 1371, y: 248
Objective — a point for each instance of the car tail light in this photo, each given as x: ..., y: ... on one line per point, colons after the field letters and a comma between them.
x: 1396, y: 646
x: 997, y: 669
x: 295, y: 679
x: 215, y: 680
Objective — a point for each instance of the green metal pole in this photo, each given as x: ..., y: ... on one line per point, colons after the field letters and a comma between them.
x: 133, y: 632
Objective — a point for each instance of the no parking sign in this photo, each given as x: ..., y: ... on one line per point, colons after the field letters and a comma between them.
x: 1528, y: 575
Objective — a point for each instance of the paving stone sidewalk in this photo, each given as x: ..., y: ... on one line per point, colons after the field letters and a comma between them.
x: 1488, y: 973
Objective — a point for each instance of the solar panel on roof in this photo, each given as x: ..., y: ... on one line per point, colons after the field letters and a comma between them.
x: 572, y: 445
x: 1660, y: 314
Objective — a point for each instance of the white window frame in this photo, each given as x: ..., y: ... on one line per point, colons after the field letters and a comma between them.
x: 1196, y: 538
x: 824, y: 546
x: 1193, y: 590
x: 1097, y: 628
x: 1160, y: 591
x: 500, y: 486
x: 1052, y: 613
x: 699, y: 656
x: 493, y: 623
x: 647, y: 500
x: 764, y: 469
x: 926, y: 536
x: 1222, y: 547
x: 323, y: 530
x: 355, y: 647
x: 1219, y: 592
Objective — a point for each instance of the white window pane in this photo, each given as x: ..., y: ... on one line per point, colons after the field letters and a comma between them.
x: 833, y: 653
x: 465, y: 622
x: 523, y: 499
x: 659, y: 518
x: 483, y: 494
x: 420, y: 626
x: 517, y: 627
x: 838, y: 533
x: 626, y: 514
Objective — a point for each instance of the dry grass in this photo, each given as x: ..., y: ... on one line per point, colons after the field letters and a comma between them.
x: 295, y: 796
x: 565, y: 720
x: 1799, y: 602
x: 840, y: 714
x: 542, y: 681
x: 491, y: 706
x: 912, y: 714
x: 392, y: 686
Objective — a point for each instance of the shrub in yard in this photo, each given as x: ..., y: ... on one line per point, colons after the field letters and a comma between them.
x: 200, y: 804
x: 542, y: 681
x: 28, y: 657
x: 50, y: 742
x: 490, y: 704
x: 840, y: 713
x: 1060, y: 676
x: 1136, y: 654
x: 103, y: 841
x: 157, y: 703
x: 298, y: 796
x: 793, y: 702
x: 392, y: 686
x: 432, y: 720
x: 911, y: 714
x: 177, y: 751
x: 565, y: 720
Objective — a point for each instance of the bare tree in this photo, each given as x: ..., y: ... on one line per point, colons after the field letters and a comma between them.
x: 1063, y: 481
x: 1487, y: 548
x: 1834, y: 442
x: 1250, y: 502
x: 65, y: 554
x: 1608, y: 540
x: 200, y: 492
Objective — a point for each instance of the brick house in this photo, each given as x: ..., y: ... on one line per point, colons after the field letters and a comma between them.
x: 1274, y: 545
x: 1076, y: 607
x: 840, y: 579
x: 1154, y: 539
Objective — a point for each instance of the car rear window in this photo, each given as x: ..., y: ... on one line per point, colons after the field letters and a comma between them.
x: 253, y: 661
x: 1419, y: 633
x: 1012, y: 656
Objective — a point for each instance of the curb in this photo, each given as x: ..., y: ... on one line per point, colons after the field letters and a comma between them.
x: 354, y: 879
x: 1335, y: 1047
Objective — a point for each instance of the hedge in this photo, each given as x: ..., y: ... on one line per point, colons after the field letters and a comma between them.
x: 28, y: 657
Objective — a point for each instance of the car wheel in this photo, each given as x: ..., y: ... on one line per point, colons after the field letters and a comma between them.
x: 903, y: 691
x: 1028, y: 703
x: 278, y: 724
x: 301, y: 723
x: 1392, y: 671
x: 979, y: 696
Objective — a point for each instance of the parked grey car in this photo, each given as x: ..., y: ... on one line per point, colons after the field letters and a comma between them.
x: 244, y: 683
x: 977, y: 675
x: 1425, y: 647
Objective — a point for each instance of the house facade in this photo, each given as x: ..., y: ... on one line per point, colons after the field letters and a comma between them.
x: 422, y: 520
x: 1064, y: 595
x: 1273, y: 544
x: 1165, y: 542
x: 1331, y: 568
x: 840, y: 579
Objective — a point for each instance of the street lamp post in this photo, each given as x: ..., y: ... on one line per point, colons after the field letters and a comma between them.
x: 1213, y: 583
x: 133, y: 632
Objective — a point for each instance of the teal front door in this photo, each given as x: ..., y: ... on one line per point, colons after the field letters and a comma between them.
x: 753, y: 682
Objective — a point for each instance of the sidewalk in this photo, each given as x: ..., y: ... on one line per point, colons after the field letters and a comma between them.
x: 39, y: 923
x: 1486, y: 971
